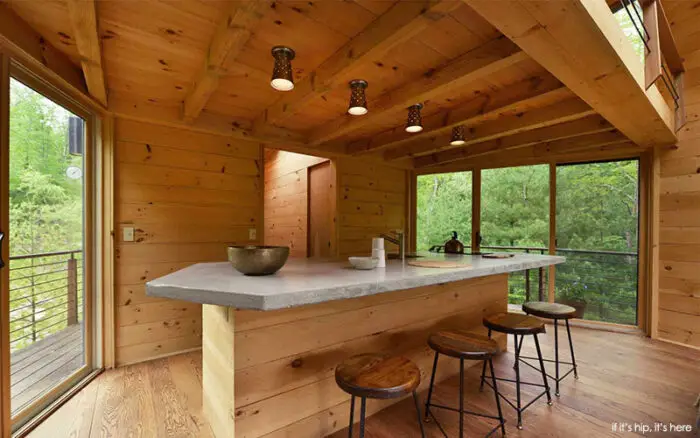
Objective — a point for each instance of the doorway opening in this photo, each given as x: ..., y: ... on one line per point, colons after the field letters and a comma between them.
x: 299, y: 203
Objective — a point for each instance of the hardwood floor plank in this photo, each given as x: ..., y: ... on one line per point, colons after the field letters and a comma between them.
x: 623, y: 378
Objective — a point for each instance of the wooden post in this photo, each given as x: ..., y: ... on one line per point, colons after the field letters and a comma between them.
x: 551, y: 283
x: 652, y: 60
x: 476, y: 210
x: 72, y: 292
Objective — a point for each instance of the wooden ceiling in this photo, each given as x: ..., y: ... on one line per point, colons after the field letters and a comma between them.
x: 208, y: 64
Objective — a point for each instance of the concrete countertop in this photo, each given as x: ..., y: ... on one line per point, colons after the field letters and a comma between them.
x: 304, y: 281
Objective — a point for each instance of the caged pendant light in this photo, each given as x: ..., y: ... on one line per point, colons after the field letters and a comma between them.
x: 282, y: 71
x: 457, y: 136
x: 414, y: 123
x: 358, y: 100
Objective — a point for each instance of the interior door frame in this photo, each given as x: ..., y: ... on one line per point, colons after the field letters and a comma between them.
x: 30, y: 415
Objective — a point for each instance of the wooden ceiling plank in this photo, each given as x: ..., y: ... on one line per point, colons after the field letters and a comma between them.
x: 561, y: 112
x: 588, y: 125
x: 535, y: 91
x: 401, y: 22
x: 581, y: 43
x: 28, y: 46
x: 231, y: 35
x: 83, y: 17
x: 472, y: 66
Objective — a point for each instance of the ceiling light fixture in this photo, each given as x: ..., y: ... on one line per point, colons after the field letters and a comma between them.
x: 414, y: 122
x: 457, y: 136
x: 282, y: 71
x: 358, y: 100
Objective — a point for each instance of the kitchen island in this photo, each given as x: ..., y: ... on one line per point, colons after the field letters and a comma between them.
x: 281, y: 336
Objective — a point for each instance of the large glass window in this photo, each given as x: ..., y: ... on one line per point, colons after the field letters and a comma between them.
x: 444, y: 205
x: 46, y: 241
x: 515, y: 218
x: 598, y: 232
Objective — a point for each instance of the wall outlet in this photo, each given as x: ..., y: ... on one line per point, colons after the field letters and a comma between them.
x: 128, y: 234
x: 252, y: 234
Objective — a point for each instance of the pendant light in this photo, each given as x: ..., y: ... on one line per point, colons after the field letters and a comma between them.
x: 282, y: 71
x: 414, y: 122
x: 358, y: 100
x: 457, y: 136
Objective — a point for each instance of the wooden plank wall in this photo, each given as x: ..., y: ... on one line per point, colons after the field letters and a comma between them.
x: 285, y: 359
x: 372, y: 200
x: 286, y: 199
x: 187, y: 194
x: 679, y: 231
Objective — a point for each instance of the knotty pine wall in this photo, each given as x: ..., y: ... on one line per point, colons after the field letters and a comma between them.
x: 286, y: 199
x: 284, y: 382
x: 373, y: 199
x: 187, y: 194
x: 679, y: 232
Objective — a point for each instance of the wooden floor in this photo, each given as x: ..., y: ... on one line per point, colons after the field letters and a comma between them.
x: 44, y: 364
x: 624, y: 378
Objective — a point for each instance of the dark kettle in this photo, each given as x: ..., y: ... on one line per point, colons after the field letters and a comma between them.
x: 454, y: 246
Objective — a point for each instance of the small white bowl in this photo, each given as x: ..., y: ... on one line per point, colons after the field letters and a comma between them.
x: 364, y: 263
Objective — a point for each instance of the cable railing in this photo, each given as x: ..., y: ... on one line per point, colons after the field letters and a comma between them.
x: 46, y: 295
x: 601, y: 285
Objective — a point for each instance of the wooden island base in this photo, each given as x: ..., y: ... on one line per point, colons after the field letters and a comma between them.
x: 284, y: 360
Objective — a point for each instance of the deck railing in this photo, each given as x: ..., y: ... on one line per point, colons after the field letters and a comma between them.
x: 601, y: 284
x: 45, y: 295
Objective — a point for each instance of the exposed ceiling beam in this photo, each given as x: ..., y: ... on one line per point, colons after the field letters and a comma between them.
x: 83, y: 17
x: 531, y: 93
x: 230, y: 37
x: 554, y: 152
x: 471, y: 66
x: 565, y: 111
x: 588, y: 125
x: 26, y: 45
x: 400, y: 23
x: 581, y: 43
x: 207, y: 122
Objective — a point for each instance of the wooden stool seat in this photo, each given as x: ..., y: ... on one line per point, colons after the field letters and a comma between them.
x: 514, y: 323
x: 377, y: 376
x: 462, y: 344
x: 549, y: 310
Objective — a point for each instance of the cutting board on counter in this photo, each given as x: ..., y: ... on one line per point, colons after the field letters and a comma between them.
x: 438, y: 264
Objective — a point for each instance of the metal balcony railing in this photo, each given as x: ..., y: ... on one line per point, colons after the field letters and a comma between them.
x: 45, y: 295
x: 602, y: 285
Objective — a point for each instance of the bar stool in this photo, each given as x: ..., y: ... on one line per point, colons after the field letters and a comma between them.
x: 377, y: 376
x: 463, y: 346
x: 518, y: 325
x: 555, y: 312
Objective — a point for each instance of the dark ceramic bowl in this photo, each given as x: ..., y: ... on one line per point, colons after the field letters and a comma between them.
x: 257, y: 260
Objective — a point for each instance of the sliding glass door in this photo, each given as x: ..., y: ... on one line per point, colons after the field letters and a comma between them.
x: 47, y: 289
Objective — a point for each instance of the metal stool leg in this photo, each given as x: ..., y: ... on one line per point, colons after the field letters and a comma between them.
x: 556, y: 357
x: 544, y: 374
x: 461, y: 398
x: 517, y: 383
x: 420, y: 420
x: 483, y: 368
x: 571, y: 347
x: 518, y: 346
x: 362, y: 417
x: 352, y: 415
x: 430, y: 389
x: 498, y: 399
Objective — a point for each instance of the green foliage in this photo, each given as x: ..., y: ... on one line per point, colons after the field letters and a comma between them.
x: 46, y: 215
x: 597, y: 210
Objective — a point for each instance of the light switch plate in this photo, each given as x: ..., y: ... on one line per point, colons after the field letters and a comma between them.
x: 128, y: 234
x: 252, y: 234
